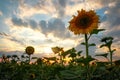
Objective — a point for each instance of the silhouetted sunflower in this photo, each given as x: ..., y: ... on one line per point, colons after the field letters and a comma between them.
x: 29, y: 50
x: 56, y: 49
x: 84, y: 22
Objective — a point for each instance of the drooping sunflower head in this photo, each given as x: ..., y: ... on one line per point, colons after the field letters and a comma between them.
x: 57, y: 49
x: 84, y: 22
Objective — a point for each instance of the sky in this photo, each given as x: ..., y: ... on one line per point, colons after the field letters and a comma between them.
x: 44, y: 24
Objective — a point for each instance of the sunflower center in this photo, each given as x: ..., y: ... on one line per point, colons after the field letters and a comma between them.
x: 83, y: 22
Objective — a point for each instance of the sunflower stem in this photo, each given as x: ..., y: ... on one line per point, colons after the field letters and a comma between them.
x: 29, y: 58
x: 89, y: 36
x: 86, y: 45
x: 87, y: 55
x: 110, y: 56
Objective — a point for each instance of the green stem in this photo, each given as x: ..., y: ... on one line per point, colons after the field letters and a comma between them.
x: 86, y: 45
x: 87, y: 55
x: 29, y: 58
x: 61, y: 62
x: 110, y: 56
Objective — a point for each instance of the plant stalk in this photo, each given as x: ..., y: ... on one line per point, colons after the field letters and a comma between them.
x: 86, y: 45
x: 29, y: 58
x: 110, y: 56
x: 87, y: 55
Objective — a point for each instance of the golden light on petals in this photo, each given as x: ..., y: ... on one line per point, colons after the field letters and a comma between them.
x: 84, y: 22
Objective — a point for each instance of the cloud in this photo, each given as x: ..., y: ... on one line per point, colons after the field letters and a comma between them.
x: 97, y: 4
x: 29, y: 8
x: 11, y: 53
x: 55, y: 26
x: 60, y: 6
x: 33, y: 24
x: 19, y: 22
x: 3, y: 34
x: 32, y: 3
x: 56, y: 8
x: 25, y: 23
x: 17, y: 40
x: 113, y: 14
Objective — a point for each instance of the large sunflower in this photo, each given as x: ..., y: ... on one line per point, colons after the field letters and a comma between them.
x: 84, y: 22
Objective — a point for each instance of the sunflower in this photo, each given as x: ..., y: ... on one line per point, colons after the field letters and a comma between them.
x: 84, y: 22
x: 29, y: 50
x: 32, y: 76
x: 56, y: 49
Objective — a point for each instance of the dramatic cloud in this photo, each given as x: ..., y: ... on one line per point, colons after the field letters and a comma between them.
x: 3, y: 34
x: 28, y: 7
x: 55, y: 26
x: 33, y: 24
x: 13, y: 39
x: 60, y: 6
x: 19, y: 22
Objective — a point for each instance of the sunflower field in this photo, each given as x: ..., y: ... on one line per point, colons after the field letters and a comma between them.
x: 58, y: 68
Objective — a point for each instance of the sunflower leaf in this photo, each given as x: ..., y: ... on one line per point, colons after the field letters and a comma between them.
x: 34, y: 57
x: 85, y: 60
x: 83, y: 43
x: 72, y: 55
x: 64, y: 54
x: 93, y: 44
x: 79, y: 53
x: 102, y: 45
x: 104, y: 55
x: 113, y: 50
x: 96, y: 31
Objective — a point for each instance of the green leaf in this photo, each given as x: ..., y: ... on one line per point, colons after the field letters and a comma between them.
x: 117, y: 62
x: 113, y: 50
x: 50, y: 58
x: 79, y: 53
x: 96, y: 31
x: 106, y: 39
x: 104, y: 55
x: 73, y: 50
x: 69, y: 75
x: 83, y: 43
x: 34, y: 57
x: 72, y: 54
x: 64, y: 54
x: 93, y: 44
x: 89, y: 58
x: 85, y: 60
x: 103, y: 45
x: 15, y: 56
x: 8, y: 56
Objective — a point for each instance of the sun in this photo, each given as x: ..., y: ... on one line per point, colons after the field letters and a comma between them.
x: 48, y: 50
